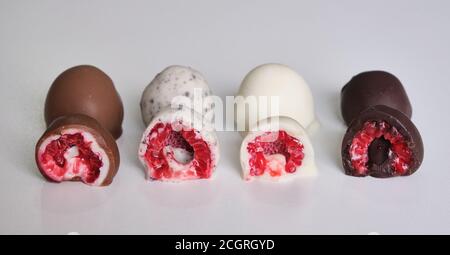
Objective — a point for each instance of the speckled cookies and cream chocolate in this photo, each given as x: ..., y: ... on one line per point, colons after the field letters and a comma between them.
x: 179, y: 142
x: 172, y: 86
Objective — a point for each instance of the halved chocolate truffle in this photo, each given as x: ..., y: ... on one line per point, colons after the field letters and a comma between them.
x: 373, y: 88
x: 382, y: 142
x: 77, y: 148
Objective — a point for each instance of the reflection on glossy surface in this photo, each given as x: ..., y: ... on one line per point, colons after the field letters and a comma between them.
x: 74, y: 207
x: 188, y: 194
x: 292, y: 193
x: 73, y: 197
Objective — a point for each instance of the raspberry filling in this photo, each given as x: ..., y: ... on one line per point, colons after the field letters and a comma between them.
x: 387, y: 139
x: 274, y: 152
x: 70, y: 157
x: 179, y: 155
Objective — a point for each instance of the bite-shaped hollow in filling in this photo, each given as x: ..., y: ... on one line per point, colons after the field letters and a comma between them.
x: 274, y: 154
x: 176, y: 154
x: 71, y: 156
x: 378, y: 144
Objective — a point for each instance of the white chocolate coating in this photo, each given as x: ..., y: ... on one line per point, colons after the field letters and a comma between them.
x: 292, y: 128
x: 295, y: 98
x: 169, y: 87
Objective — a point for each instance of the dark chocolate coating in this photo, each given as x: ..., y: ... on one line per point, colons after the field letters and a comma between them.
x: 378, y: 165
x: 85, y: 90
x: 373, y: 88
x: 102, y: 136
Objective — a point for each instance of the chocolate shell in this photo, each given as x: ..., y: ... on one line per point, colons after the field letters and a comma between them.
x: 76, y: 143
x: 85, y: 90
x: 382, y: 142
x: 373, y: 88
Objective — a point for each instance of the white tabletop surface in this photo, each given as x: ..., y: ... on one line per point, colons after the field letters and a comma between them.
x: 325, y: 41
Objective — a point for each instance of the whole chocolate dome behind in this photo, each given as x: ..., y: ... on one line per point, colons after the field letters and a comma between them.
x: 85, y: 90
x: 373, y: 88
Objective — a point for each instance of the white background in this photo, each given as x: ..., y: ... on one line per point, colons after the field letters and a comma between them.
x: 327, y: 42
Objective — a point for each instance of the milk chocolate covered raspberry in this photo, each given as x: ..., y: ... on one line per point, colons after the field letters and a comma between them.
x: 84, y: 114
x: 77, y: 148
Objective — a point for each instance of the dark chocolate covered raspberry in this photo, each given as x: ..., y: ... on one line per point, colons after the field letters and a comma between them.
x: 382, y: 142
